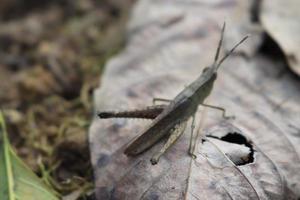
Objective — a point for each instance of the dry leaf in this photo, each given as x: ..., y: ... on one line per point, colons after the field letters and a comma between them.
x: 281, y: 21
x: 159, y: 60
x: 230, y: 166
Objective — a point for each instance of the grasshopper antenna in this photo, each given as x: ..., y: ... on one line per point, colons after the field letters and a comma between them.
x: 231, y: 51
x: 220, y: 43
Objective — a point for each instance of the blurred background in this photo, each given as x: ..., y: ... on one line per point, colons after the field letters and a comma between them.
x: 51, y: 56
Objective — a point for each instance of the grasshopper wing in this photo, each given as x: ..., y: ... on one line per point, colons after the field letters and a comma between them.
x: 173, y: 114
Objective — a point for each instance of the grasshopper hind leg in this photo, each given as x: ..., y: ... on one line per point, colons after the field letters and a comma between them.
x: 150, y: 112
x: 176, y: 132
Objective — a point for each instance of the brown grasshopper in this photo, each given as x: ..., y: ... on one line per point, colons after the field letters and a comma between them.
x: 171, y: 119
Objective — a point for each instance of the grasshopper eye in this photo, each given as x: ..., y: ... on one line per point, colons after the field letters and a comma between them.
x: 205, y: 69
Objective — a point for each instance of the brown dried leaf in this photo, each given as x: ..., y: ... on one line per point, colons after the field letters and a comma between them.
x: 162, y: 57
x: 281, y: 21
x: 243, y: 23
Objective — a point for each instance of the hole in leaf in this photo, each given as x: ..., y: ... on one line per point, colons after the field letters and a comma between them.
x: 237, y: 138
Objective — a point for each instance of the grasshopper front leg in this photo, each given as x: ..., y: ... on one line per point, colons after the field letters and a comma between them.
x: 174, y: 135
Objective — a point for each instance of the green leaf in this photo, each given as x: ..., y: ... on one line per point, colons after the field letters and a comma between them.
x: 17, y: 181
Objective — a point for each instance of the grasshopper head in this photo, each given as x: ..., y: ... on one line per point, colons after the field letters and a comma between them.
x: 209, y: 72
x: 205, y: 69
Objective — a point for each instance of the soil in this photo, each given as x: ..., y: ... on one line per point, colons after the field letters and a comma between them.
x: 51, y: 56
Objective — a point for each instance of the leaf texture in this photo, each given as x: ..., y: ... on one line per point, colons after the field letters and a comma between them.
x: 255, y: 156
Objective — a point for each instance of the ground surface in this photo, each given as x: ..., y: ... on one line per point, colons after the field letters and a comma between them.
x: 51, y: 55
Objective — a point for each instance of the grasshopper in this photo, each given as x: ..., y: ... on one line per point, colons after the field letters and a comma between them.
x: 171, y: 119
